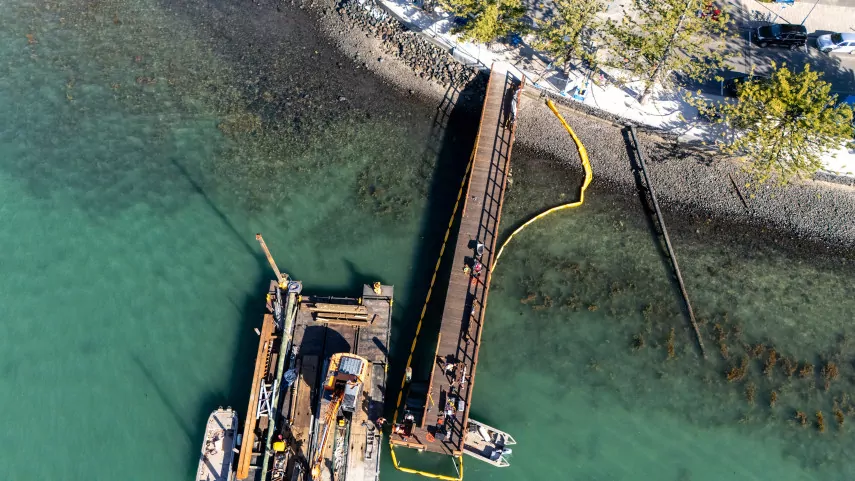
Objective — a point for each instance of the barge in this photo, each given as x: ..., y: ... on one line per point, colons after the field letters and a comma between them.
x: 316, y: 405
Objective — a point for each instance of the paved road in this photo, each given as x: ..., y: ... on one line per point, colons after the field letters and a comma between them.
x: 837, y: 69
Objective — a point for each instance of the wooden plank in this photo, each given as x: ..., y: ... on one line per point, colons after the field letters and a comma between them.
x: 341, y: 308
x: 345, y: 322
x: 265, y: 343
x: 407, y: 444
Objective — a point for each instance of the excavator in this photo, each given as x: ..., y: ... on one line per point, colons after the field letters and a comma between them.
x: 344, y: 380
x: 329, y: 420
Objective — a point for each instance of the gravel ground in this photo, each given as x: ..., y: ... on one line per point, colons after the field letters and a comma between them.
x: 404, y: 59
x: 689, y: 181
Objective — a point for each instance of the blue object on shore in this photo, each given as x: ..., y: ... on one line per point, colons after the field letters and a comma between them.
x: 514, y: 39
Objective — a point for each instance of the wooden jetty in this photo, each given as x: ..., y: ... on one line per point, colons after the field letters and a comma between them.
x: 453, y: 374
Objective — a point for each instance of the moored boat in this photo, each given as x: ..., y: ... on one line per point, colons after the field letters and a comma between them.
x: 215, y: 461
x: 488, y: 443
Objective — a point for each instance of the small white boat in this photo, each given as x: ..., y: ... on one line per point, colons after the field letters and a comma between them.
x: 488, y: 443
x: 215, y: 462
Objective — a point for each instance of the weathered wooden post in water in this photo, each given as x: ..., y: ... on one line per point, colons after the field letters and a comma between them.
x: 668, y: 242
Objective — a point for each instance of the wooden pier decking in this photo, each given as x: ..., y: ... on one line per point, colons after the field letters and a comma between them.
x: 466, y: 298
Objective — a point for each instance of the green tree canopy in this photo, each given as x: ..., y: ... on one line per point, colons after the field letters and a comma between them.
x: 486, y: 19
x: 784, y: 124
x: 568, y: 36
x: 659, y: 37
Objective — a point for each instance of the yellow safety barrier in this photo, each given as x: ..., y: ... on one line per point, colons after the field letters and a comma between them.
x: 425, y: 473
x: 589, y: 176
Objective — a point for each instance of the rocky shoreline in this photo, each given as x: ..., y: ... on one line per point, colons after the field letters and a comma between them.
x: 688, y: 180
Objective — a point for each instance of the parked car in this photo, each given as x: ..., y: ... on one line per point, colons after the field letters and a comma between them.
x: 836, y: 42
x: 730, y: 87
x: 782, y: 35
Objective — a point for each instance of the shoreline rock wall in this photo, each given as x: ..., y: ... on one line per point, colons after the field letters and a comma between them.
x: 427, y: 60
x: 688, y: 180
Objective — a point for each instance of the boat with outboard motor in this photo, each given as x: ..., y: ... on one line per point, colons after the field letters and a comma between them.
x: 488, y: 443
x: 215, y: 462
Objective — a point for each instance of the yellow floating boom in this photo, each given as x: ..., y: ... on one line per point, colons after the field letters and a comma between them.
x: 589, y: 176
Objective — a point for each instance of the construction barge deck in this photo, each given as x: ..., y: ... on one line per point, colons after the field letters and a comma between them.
x: 316, y: 405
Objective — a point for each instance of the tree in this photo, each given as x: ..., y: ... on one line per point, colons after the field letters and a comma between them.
x: 568, y: 36
x: 783, y: 124
x: 486, y: 20
x: 659, y: 37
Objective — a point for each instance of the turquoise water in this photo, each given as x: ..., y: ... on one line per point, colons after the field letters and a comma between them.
x: 139, y: 154
x: 132, y: 277
x: 584, y: 285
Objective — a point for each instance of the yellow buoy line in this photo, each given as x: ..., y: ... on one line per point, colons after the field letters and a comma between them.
x: 589, y: 176
x: 426, y: 474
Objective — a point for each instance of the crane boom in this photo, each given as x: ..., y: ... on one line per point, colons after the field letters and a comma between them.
x: 329, y: 418
x: 279, y: 277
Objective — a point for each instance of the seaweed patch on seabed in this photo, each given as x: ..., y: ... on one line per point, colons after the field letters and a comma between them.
x: 773, y: 384
x: 233, y: 115
x: 637, y: 345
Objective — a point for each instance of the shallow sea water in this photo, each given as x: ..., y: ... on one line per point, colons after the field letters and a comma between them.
x: 586, y: 284
x: 135, y: 170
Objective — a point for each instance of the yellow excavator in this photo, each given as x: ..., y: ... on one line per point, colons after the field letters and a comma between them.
x: 329, y: 419
x: 345, y: 377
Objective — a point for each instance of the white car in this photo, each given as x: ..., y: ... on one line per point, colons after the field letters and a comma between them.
x: 836, y: 42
